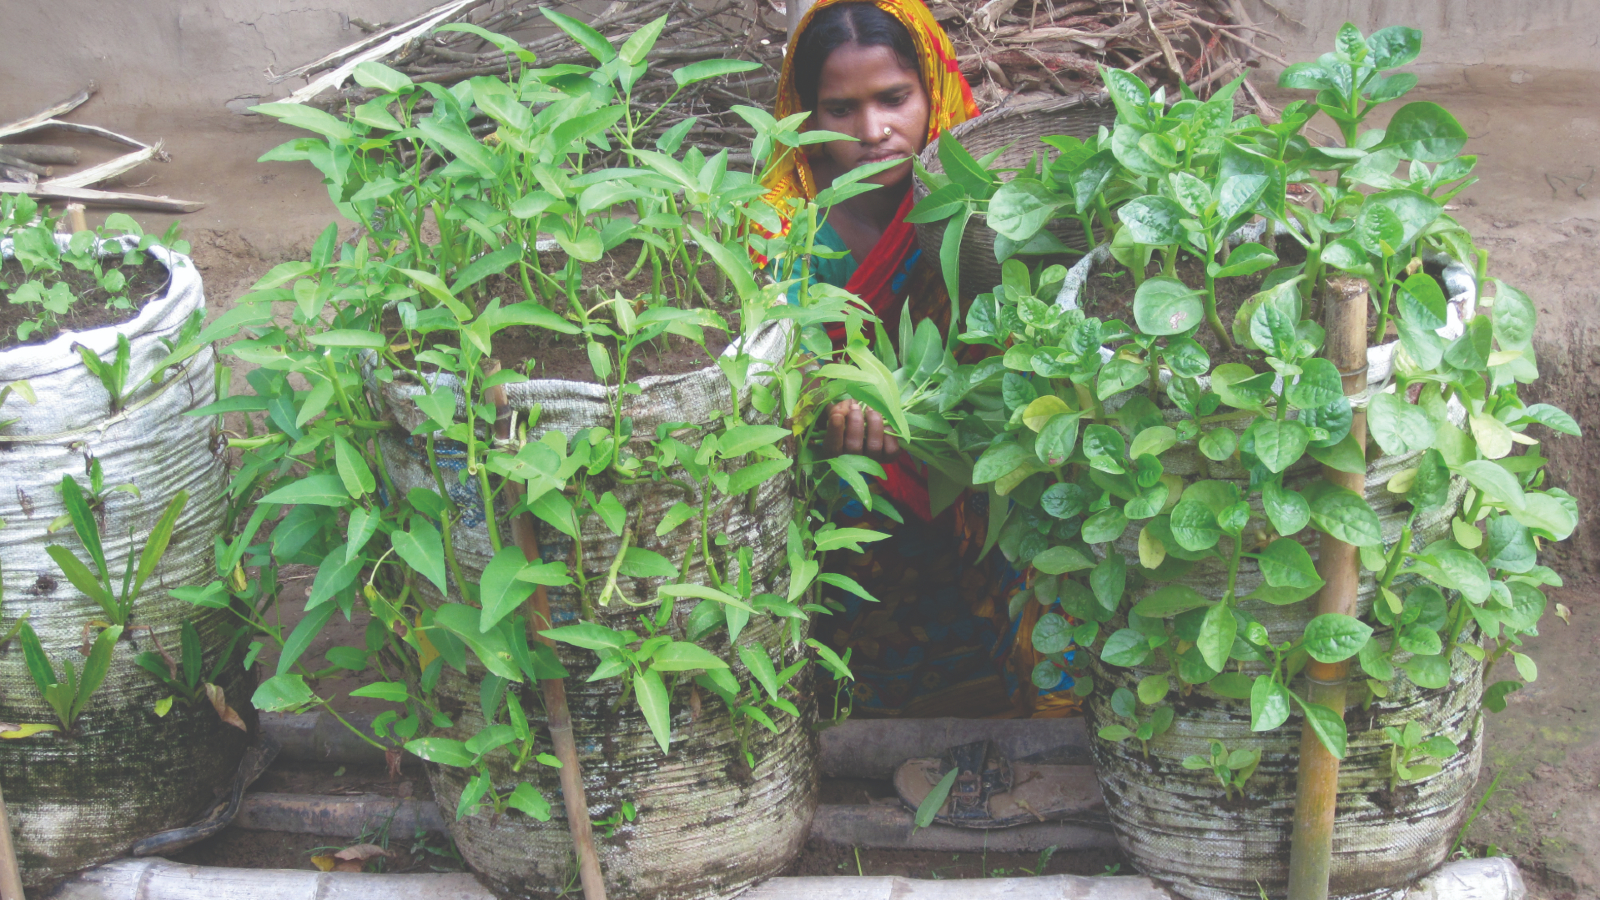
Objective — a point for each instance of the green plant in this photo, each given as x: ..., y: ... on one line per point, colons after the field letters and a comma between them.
x: 1125, y: 704
x: 69, y: 691
x: 187, y: 676
x: 44, y: 262
x: 1232, y: 769
x: 1477, y: 810
x: 569, y: 156
x: 22, y: 389
x: 1073, y: 422
x: 622, y: 816
x: 97, y: 583
x: 1406, y: 744
x: 96, y: 496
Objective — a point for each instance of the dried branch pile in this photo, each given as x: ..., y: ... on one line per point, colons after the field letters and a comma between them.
x: 27, y: 168
x: 1011, y: 51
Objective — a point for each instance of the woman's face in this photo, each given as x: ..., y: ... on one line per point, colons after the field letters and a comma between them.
x: 867, y: 93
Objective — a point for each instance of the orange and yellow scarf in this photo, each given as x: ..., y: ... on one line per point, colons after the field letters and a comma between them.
x: 949, y: 97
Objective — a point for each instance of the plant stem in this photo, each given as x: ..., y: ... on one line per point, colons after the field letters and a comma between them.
x: 1212, y: 319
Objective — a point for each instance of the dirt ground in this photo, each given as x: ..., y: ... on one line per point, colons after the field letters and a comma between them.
x: 1537, y: 208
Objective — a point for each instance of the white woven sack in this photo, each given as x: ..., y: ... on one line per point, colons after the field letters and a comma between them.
x: 81, y: 800
x: 701, y: 833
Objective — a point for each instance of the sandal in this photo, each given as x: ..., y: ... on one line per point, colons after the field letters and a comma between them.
x: 992, y: 792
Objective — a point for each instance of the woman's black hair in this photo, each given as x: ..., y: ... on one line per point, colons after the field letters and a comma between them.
x: 846, y: 23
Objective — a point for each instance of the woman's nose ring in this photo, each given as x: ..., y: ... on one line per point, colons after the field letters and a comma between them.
x: 887, y: 131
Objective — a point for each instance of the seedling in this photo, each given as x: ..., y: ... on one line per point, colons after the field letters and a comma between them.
x: 22, y: 389
x: 116, y: 601
x: 1146, y: 728
x: 186, y: 676
x: 1406, y: 744
x: 1232, y: 769
x: 69, y: 692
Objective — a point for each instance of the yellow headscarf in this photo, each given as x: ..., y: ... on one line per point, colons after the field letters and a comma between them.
x: 949, y: 98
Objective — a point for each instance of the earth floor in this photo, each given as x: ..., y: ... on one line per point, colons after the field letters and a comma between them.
x: 1535, y: 208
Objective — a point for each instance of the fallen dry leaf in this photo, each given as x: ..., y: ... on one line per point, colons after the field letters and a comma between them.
x: 391, y: 757
x: 219, y: 702
x: 361, y: 852
x: 349, y: 865
x: 1564, y: 613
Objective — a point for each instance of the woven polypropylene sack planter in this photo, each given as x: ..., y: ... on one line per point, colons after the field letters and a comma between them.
x: 706, y: 826
x: 81, y: 800
x: 1176, y: 825
x: 1021, y: 128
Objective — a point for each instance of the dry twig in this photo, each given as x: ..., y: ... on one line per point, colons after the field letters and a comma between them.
x: 1003, y: 46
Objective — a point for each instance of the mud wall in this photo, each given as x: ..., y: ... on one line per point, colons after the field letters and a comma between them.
x: 1535, y: 38
x: 187, y: 57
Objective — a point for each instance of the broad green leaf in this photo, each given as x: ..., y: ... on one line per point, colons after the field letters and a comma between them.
x: 1061, y: 559
x: 354, y: 472
x: 391, y: 691
x: 442, y: 750
x: 588, y: 635
x: 1278, y: 443
x: 285, y: 692
x: 1332, y: 637
x: 1126, y: 648
x: 1345, y: 515
x: 711, y: 68
x: 1194, y: 526
x: 1020, y: 208
x: 501, y: 590
x: 682, y: 656
x: 422, y: 549
x: 304, y: 633
x: 585, y: 36
x: 1166, y: 306
x: 1269, y: 704
x: 1286, y: 509
x: 1286, y: 563
x: 1217, y: 632
x: 317, y: 490
x: 929, y: 808
x: 1153, y: 220
x: 1327, y: 725
x: 1398, y: 427
x: 1169, y: 601
x: 1425, y: 132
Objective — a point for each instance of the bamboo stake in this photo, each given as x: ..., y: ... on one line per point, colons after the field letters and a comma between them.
x: 1311, y: 845
x: 537, y: 610
x: 10, y: 875
x: 76, y: 221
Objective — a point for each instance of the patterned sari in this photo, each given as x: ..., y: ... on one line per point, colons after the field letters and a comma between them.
x: 941, y: 641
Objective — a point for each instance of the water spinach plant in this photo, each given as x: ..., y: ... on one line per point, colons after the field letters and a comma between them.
x: 1120, y: 459
x: 451, y: 276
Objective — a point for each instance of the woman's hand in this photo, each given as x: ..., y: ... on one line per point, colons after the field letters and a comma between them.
x: 853, y: 428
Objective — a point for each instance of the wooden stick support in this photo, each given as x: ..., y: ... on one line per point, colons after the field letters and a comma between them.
x: 10, y: 875
x: 76, y: 221
x: 1339, y: 565
x: 537, y: 612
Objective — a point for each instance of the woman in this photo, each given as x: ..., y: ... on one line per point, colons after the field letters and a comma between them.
x: 941, y: 641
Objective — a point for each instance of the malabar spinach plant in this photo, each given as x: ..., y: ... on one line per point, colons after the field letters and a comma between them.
x: 1074, y: 424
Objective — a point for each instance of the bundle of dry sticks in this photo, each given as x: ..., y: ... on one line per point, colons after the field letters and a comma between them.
x: 1010, y: 50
